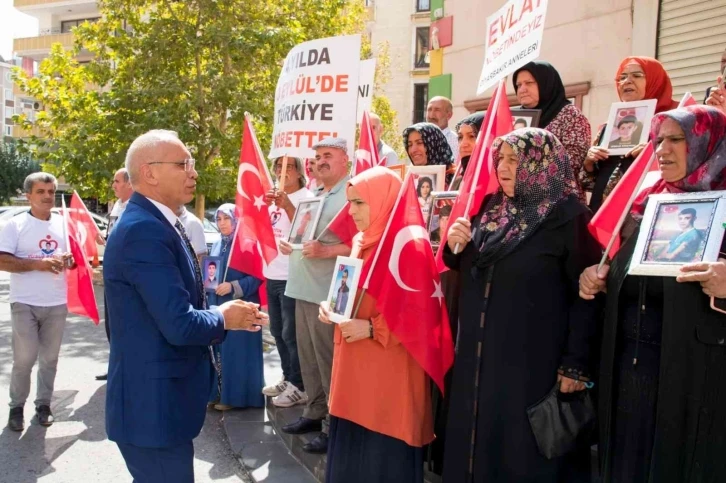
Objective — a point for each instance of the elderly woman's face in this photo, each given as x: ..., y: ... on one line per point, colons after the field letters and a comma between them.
x: 527, y: 90
x: 416, y: 149
x: 507, y: 169
x: 672, y: 151
x: 467, y: 140
x: 631, y: 84
x: 224, y: 223
x: 359, y: 210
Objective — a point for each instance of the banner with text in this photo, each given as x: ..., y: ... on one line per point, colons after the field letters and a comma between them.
x: 514, y: 38
x: 365, y: 87
x: 316, y: 95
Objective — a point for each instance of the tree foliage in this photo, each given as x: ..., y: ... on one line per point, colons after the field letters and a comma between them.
x: 14, y: 167
x: 194, y: 67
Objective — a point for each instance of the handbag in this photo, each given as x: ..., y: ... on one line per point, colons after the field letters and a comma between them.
x: 559, y: 420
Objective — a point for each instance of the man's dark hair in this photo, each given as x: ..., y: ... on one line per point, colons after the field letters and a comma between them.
x: 689, y: 211
x: 345, y: 272
x: 628, y: 119
x: 213, y: 264
x: 445, y: 210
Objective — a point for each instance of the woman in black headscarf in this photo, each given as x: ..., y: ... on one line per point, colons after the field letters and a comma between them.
x: 522, y: 327
x: 538, y: 86
x: 467, y: 130
x: 426, y: 145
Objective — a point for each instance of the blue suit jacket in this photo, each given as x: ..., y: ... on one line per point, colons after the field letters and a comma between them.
x: 159, y: 373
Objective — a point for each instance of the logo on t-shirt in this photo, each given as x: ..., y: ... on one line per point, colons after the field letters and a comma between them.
x: 275, y: 217
x: 47, y: 245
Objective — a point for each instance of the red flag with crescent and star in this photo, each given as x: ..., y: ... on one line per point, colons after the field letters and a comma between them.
x: 479, y: 177
x: 254, y: 240
x: 366, y: 156
x: 86, y: 228
x: 403, y: 278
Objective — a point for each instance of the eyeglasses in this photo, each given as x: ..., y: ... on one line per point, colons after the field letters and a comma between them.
x: 633, y: 75
x: 187, y: 163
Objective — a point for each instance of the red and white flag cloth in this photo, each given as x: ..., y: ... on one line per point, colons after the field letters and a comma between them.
x: 254, y: 240
x: 479, y: 178
x: 605, y: 225
x: 79, y: 280
x: 86, y: 229
x: 403, y: 278
x: 366, y: 157
x: 687, y: 100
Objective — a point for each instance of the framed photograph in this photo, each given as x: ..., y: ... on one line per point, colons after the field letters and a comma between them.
x: 678, y: 229
x: 522, y: 118
x: 438, y: 223
x: 628, y: 125
x: 400, y: 169
x: 211, y: 272
x: 427, y: 179
x: 305, y: 221
x: 343, y: 288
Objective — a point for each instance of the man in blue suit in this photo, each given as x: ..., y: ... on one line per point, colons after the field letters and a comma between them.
x: 159, y: 374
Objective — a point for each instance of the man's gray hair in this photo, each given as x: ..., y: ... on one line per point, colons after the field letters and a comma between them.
x: 125, y: 172
x: 143, y: 145
x: 39, y: 177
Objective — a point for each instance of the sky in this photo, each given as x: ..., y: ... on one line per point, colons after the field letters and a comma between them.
x: 14, y: 24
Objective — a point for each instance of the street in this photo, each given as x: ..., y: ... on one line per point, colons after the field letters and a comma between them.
x: 75, y: 448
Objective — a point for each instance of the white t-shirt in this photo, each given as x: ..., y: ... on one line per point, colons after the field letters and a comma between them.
x: 195, y: 231
x: 278, y: 269
x: 28, y: 237
x: 118, y: 209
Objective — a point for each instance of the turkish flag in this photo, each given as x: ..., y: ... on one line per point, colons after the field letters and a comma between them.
x: 606, y: 223
x: 407, y: 287
x: 687, y: 100
x: 254, y: 239
x: 79, y: 280
x: 366, y: 156
x: 479, y: 178
x: 85, y: 228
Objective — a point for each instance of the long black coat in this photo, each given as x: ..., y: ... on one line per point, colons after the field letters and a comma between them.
x: 514, y: 334
x: 689, y: 442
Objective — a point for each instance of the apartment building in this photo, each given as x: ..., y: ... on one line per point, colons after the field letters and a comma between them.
x: 7, y: 99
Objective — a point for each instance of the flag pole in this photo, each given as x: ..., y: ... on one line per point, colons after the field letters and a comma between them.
x: 66, y: 237
x: 487, y: 138
x: 624, y: 214
x: 231, y: 249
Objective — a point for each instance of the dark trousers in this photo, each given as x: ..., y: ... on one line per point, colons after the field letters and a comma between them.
x: 282, y: 327
x: 159, y: 465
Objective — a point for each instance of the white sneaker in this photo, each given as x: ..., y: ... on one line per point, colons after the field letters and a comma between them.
x: 291, y: 397
x: 275, y: 389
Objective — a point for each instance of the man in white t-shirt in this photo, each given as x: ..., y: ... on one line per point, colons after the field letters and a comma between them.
x: 283, y: 203
x: 33, y: 249
x: 195, y: 231
x: 386, y: 154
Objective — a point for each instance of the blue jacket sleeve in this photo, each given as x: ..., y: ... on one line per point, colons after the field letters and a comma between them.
x: 247, y: 283
x: 149, y: 264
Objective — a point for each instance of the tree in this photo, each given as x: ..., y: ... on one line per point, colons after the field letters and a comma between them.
x: 194, y: 67
x: 381, y: 105
x: 14, y: 167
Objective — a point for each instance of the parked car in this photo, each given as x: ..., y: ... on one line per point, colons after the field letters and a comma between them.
x: 101, y: 222
x: 211, y: 233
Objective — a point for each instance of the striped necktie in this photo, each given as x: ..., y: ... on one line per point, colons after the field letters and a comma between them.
x: 197, y: 269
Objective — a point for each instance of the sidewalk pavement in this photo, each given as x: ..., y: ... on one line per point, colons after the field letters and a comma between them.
x: 255, y: 441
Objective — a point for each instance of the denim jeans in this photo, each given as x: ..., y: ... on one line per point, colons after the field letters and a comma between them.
x: 282, y: 326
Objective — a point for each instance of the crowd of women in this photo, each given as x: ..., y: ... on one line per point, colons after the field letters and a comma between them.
x: 531, y: 311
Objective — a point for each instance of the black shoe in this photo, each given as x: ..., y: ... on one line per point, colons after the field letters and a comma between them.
x: 45, y: 417
x: 317, y: 446
x: 102, y: 377
x: 15, y: 421
x: 302, y: 426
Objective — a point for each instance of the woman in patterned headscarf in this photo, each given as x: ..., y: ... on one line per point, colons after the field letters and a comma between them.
x: 426, y: 145
x: 663, y: 366
x: 241, y: 352
x: 522, y: 328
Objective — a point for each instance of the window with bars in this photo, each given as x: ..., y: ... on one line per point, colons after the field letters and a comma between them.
x: 420, y: 99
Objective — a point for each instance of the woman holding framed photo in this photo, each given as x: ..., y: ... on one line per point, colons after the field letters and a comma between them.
x: 466, y: 130
x: 380, y: 405
x: 663, y: 367
x: 636, y: 79
x: 426, y: 145
x: 522, y: 329
x: 240, y: 354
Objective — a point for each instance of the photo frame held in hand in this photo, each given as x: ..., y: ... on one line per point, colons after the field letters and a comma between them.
x: 427, y: 179
x: 343, y: 288
x: 305, y: 222
x: 211, y: 272
x: 399, y: 169
x: 628, y: 126
x: 522, y: 118
x: 438, y: 223
x: 677, y: 229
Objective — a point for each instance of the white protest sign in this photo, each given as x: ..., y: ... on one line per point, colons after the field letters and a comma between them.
x: 365, y: 87
x: 316, y: 95
x: 514, y: 38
